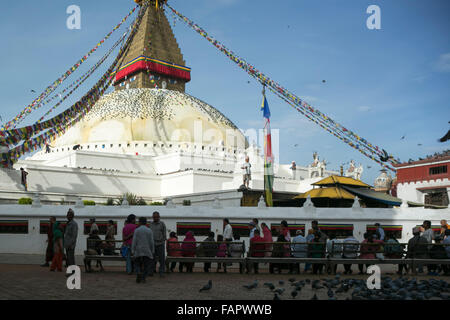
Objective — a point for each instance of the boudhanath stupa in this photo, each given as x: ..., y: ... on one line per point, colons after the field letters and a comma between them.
x: 150, y: 138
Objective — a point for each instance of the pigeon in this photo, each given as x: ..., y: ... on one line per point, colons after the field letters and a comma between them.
x: 291, y: 280
x: 280, y: 291
x: 33, y: 91
x: 314, y: 297
x: 323, y: 81
x: 296, y: 145
x: 251, y: 286
x: 206, y: 287
x: 268, y: 284
x: 402, y: 138
x: 330, y: 293
x: 281, y: 282
x: 276, y: 297
x: 294, y: 294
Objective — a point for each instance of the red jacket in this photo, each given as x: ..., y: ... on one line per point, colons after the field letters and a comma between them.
x: 173, y: 248
x: 256, y: 247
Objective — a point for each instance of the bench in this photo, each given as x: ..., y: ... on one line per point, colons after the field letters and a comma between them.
x: 226, y: 260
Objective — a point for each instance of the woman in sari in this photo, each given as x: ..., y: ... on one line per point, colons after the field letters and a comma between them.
x: 57, y: 248
x: 267, y: 236
x: 188, y: 248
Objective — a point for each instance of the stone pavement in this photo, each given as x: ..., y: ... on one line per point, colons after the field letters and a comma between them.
x: 30, y: 281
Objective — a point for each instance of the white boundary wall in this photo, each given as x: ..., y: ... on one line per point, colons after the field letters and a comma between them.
x: 35, y: 243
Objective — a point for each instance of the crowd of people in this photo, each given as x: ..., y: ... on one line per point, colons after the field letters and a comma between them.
x: 145, y: 245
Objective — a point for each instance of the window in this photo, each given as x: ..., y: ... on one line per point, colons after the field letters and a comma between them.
x: 45, y: 224
x: 102, y: 227
x: 339, y: 230
x: 198, y: 228
x: 14, y: 226
x: 275, y: 229
x: 438, y: 170
x: 242, y: 229
x: 393, y: 231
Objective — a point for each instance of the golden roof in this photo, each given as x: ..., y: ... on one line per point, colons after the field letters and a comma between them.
x: 333, y: 180
x: 331, y: 192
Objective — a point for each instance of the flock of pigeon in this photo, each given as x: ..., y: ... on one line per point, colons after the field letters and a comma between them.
x: 158, y: 104
x: 356, y: 289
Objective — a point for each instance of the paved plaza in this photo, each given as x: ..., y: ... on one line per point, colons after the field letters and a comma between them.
x: 19, y: 280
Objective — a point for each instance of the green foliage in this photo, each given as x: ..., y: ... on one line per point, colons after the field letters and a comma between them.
x: 25, y: 201
x: 157, y: 204
x: 110, y: 202
x: 88, y: 203
x: 132, y: 199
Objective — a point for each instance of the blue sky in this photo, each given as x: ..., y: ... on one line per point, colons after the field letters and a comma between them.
x: 382, y: 84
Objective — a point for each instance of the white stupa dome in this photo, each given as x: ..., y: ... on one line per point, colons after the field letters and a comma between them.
x: 157, y: 115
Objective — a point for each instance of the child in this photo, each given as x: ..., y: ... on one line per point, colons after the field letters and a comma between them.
x: 221, y: 253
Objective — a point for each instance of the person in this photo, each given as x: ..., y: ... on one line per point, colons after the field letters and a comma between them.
x: 256, y: 222
x: 247, y: 172
x: 143, y: 249
x: 369, y: 250
x: 57, y: 242
x: 227, y: 230
x: 293, y: 167
x: 394, y: 250
x: 94, y: 226
x: 252, y: 228
x: 267, y: 236
x: 110, y: 243
x: 350, y: 251
x: 127, y: 237
x: 256, y: 249
x: 208, y: 248
x: 285, y: 231
x: 47, y: 148
x: 188, y: 249
x: 174, y: 250
x: 309, y: 239
x: 237, y: 250
x: 417, y: 247
x: 94, y: 247
x: 428, y: 234
x: 221, y: 252
x: 24, y: 175
x: 49, y: 250
x: 70, y: 238
x: 437, y: 252
x: 315, y: 226
x: 443, y: 228
x: 316, y: 249
x: 379, y: 232
x: 160, y: 236
x: 334, y: 249
x: 446, y: 244
x: 280, y: 250
x: 299, y: 248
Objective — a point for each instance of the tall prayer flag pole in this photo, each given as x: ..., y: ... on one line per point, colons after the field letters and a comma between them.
x: 268, y: 156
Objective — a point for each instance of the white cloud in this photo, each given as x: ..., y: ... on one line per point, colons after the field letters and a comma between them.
x: 364, y: 108
x: 443, y: 64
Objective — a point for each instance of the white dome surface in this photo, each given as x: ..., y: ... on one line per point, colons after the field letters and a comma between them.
x: 153, y: 115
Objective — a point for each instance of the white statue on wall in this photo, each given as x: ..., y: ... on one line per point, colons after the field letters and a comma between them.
x: 317, y: 168
x: 353, y: 171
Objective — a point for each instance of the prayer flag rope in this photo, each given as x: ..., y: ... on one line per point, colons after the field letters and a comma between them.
x: 37, y: 102
x: 351, y: 138
x: 73, y: 115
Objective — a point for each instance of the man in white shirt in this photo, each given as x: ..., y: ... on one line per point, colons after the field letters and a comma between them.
x: 247, y: 172
x: 227, y: 230
x: 293, y: 167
